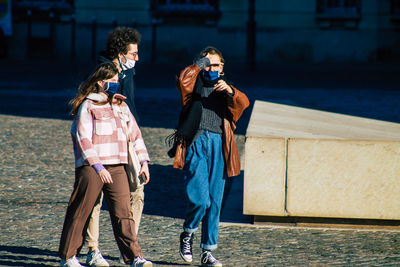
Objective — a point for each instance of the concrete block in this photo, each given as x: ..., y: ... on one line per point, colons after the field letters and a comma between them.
x: 310, y: 163
x: 343, y: 178
x: 272, y: 120
x: 264, y: 176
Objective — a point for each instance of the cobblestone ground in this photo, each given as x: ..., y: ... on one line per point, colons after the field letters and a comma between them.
x: 36, y: 181
x: 36, y: 167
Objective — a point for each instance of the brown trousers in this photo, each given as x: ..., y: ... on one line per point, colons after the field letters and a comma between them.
x: 93, y: 230
x: 87, y: 188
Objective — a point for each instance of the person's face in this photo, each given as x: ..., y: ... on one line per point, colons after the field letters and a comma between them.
x: 215, y: 63
x: 132, y: 53
x: 113, y: 79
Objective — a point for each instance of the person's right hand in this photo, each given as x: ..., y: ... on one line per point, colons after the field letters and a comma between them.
x: 105, y: 176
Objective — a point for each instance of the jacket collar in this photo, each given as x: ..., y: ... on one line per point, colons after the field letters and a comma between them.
x: 97, y: 97
x: 102, y: 98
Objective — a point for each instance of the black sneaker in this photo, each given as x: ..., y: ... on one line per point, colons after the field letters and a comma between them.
x: 185, y: 248
x: 207, y: 259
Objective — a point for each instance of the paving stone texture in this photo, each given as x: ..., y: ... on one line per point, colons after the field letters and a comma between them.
x: 36, y: 170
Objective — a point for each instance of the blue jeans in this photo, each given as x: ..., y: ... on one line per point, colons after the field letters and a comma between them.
x: 204, y: 187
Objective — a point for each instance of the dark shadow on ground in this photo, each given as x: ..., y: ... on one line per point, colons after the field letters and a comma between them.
x: 27, y: 256
x: 232, y: 203
x: 366, y: 90
x: 157, y: 109
x: 165, y: 263
x: 116, y: 259
x: 161, y: 111
x: 170, y: 201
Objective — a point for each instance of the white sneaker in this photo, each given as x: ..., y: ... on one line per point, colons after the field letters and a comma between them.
x: 121, y: 259
x: 207, y: 259
x: 95, y: 258
x: 141, y: 262
x: 71, y: 262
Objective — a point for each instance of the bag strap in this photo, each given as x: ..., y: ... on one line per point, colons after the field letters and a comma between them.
x: 124, y: 125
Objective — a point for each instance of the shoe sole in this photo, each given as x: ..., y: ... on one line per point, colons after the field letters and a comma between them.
x: 146, y: 264
x: 97, y: 265
x: 183, y: 257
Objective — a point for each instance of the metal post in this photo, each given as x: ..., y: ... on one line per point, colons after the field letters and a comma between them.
x: 153, y: 40
x: 94, y: 26
x: 114, y: 23
x: 52, y: 32
x: 73, y: 29
x: 134, y: 23
x: 251, y: 37
x: 29, y: 33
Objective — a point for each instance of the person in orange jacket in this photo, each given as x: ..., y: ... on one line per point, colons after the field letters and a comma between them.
x: 204, y: 147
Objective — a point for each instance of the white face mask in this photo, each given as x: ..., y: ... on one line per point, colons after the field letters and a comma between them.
x: 129, y: 64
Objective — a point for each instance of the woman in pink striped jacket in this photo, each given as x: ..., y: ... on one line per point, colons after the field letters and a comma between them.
x: 102, y: 125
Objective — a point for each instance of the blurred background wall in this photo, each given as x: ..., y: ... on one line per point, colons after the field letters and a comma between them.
x: 247, y: 31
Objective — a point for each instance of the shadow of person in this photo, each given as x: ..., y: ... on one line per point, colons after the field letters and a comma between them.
x: 164, y: 195
x: 232, y: 202
x: 27, y: 256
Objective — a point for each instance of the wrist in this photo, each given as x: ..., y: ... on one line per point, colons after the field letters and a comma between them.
x: 98, y: 167
x: 230, y: 91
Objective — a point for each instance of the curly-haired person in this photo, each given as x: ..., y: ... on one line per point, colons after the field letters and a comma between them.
x: 122, y: 50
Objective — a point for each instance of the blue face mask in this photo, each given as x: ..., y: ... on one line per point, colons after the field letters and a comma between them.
x: 210, y: 75
x: 111, y: 88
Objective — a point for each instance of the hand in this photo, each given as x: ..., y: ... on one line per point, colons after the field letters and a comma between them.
x: 105, y: 176
x: 221, y: 85
x: 203, y: 62
x: 144, y: 172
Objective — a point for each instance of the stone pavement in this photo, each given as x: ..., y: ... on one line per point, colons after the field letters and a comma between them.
x: 37, y: 178
x: 36, y: 170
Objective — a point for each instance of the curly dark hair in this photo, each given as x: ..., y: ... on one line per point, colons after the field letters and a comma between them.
x: 119, y: 39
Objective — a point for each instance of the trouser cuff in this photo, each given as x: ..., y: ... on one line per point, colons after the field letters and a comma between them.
x: 91, y: 244
x: 189, y: 230
x: 208, y: 247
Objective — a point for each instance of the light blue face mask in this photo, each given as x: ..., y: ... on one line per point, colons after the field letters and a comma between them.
x: 111, y: 88
x: 210, y: 75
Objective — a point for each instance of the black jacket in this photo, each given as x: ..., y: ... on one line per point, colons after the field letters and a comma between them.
x: 127, y: 82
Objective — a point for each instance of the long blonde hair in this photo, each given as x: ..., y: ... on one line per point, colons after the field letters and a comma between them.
x: 103, y: 71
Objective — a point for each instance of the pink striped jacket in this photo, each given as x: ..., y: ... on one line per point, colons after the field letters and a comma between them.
x: 98, y: 133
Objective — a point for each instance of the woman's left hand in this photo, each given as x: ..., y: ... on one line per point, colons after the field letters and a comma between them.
x: 144, y: 172
x: 221, y: 85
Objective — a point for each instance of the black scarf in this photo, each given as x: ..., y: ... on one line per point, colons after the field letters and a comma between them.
x: 189, y: 117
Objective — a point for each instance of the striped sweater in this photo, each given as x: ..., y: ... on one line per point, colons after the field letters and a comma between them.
x: 98, y: 133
